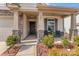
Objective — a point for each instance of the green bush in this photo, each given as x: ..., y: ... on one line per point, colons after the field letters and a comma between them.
x: 65, y: 41
x: 16, y: 38
x: 11, y: 40
x: 48, y: 40
x: 76, y: 40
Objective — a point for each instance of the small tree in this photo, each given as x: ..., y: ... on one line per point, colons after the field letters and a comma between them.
x: 48, y: 40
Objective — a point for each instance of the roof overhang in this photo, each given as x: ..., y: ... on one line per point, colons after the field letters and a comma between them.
x: 62, y: 11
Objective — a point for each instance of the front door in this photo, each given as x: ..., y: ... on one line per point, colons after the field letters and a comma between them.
x: 32, y: 27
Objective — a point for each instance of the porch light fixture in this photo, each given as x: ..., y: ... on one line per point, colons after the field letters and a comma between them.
x: 13, y: 6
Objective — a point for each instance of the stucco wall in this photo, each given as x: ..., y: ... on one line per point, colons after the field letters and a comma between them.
x: 67, y: 23
x: 60, y: 24
x: 28, y: 7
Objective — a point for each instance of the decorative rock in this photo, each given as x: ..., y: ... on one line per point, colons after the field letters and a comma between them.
x: 68, y: 49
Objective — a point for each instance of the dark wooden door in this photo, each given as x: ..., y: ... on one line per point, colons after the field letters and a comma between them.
x: 32, y: 27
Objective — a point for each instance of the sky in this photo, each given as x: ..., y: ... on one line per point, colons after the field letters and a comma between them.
x: 74, y: 5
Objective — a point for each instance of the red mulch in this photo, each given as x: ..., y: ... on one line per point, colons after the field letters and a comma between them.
x: 58, y: 46
x: 42, y: 50
x: 11, y: 51
x: 70, y: 46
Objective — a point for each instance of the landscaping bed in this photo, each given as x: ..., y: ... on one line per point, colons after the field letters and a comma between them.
x: 57, y: 50
x: 63, y: 52
x: 11, y: 51
x: 42, y: 50
x: 13, y: 42
x: 47, y: 47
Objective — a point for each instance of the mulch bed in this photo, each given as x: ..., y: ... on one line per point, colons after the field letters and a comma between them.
x: 42, y: 50
x: 11, y: 51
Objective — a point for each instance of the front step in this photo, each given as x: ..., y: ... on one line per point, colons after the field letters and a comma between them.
x: 29, y: 42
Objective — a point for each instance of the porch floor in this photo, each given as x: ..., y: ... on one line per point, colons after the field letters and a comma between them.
x: 31, y: 37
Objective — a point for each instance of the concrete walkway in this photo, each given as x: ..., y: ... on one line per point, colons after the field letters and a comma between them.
x: 3, y: 47
x: 27, y: 50
x: 28, y: 47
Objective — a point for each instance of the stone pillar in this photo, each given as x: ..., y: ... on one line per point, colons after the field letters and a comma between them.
x: 16, y: 30
x: 40, y: 25
x: 73, y: 29
x: 24, y: 25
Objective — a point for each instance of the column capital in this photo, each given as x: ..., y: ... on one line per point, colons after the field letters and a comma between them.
x: 13, y: 6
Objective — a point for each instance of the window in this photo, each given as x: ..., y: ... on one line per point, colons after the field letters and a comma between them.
x: 50, y: 25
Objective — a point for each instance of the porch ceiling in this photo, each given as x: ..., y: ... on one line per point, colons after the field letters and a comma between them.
x: 31, y: 15
x: 62, y: 11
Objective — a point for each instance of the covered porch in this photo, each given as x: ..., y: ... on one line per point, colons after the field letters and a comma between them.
x: 45, y: 19
x: 56, y: 16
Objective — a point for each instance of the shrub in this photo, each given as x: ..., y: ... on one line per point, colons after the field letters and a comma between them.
x: 11, y: 40
x: 76, y: 40
x: 65, y: 41
x: 48, y: 40
x: 16, y: 38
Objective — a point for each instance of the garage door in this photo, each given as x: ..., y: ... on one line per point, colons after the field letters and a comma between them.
x: 6, y: 24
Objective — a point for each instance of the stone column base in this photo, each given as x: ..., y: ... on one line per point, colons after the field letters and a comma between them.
x: 40, y: 34
x: 17, y: 33
x: 72, y: 33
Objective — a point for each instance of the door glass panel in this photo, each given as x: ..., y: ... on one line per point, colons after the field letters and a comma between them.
x: 51, y: 25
